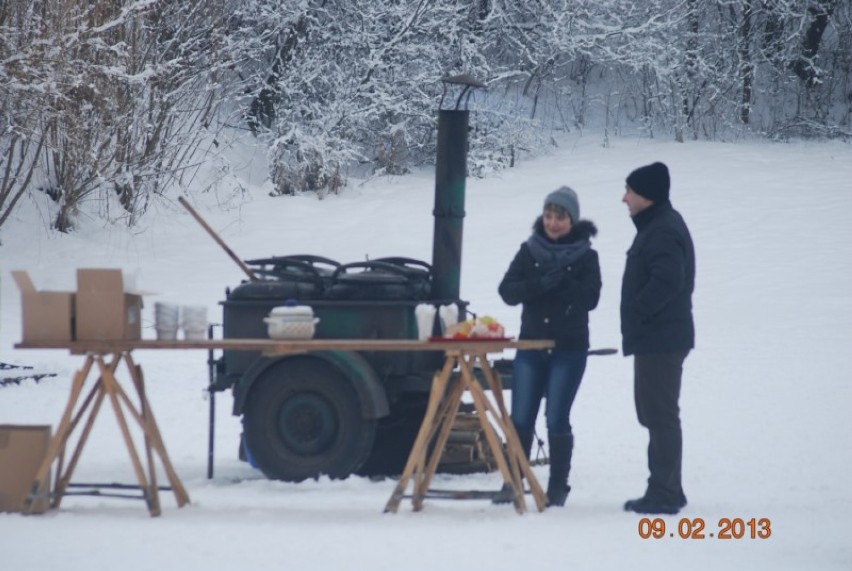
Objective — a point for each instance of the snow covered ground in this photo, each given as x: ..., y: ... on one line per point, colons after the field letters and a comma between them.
x: 766, y: 397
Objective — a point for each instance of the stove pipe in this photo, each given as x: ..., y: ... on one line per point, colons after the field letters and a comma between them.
x: 450, y: 174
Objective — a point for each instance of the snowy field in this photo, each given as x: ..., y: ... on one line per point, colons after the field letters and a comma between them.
x: 766, y: 397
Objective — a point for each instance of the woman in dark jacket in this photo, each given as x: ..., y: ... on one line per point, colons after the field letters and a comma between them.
x: 556, y: 277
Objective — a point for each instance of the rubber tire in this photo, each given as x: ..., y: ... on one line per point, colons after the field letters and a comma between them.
x: 395, y: 436
x: 303, y: 419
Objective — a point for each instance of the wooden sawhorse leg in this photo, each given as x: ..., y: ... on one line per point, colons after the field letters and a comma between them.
x: 415, y: 465
x: 153, y: 439
x: 444, y: 400
x: 56, y: 448
x: 517, y: 461
x: 107, y: 387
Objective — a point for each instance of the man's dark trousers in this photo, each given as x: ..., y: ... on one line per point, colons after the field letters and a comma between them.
x: 657, y: 378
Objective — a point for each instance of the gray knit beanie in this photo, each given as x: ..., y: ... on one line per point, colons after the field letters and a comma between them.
x: 567, y: 199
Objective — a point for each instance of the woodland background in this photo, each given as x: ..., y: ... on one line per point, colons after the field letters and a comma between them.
x: 116, y: 103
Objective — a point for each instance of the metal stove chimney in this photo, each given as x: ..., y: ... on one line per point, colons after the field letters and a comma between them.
x: 450, y: 175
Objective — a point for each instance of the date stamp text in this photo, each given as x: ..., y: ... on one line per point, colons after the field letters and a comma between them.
x: 697, y: 528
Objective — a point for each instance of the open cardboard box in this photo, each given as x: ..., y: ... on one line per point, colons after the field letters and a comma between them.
x: 22, y: 450
x: 47, y: 315
x: 105, y: 311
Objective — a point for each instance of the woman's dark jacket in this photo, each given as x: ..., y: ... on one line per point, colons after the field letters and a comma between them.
x: 659, y: 277
x: 562, y: 312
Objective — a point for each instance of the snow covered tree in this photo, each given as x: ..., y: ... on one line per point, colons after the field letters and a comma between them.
x: 112, y: 102
x: 124, y: 93
x: 344, y: 83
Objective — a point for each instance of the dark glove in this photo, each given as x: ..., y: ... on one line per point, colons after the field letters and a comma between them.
x: 570, y: 290
x: 570, y: 280
x: 552, y: 278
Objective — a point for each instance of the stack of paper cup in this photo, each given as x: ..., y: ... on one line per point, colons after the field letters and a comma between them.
x: 449, y: 315
x: 425, y: 315
x: 166, y: 320
x: 194, y: 321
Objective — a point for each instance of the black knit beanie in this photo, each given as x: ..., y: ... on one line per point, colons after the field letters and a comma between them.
x: 651, y: 181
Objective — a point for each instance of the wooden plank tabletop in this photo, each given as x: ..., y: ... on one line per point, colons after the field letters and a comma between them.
x: 276, y: 346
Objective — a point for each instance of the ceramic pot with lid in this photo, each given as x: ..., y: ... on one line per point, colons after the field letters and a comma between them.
x: 291, y: 321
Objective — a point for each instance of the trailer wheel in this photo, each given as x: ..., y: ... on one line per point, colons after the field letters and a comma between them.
x: 395, y: 436
x: 303, y: 419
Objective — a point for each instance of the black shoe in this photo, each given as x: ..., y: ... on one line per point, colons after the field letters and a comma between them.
x: 557, y: 494
x: 505, y: 496
x: 646, y: 505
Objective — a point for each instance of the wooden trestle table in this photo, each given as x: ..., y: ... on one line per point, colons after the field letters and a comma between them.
x: 103, y: 359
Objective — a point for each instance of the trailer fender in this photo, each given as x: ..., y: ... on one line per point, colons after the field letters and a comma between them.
x: 371, y: 393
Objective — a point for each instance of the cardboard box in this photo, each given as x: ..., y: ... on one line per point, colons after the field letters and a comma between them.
x: 104, y: 310
x: 47, y: 315
x: 22, y: 449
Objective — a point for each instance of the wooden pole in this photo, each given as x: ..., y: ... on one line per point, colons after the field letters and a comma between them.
x: 219, y: 240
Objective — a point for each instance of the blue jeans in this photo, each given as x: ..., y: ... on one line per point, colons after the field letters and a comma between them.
x: 552, y: 375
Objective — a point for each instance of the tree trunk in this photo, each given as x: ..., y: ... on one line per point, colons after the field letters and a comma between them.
x: 746, y: 65
x: 804, y: 66
x: 691, y: 65
x: 19, y: 167
x: 262, y: 110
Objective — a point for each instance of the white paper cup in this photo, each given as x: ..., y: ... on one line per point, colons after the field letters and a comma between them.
x: 425, y: 315
x: 167, y: 334
x: 195, y: 334
x: 194, y: 317
x: 166, y: 315
x: 449, y: 315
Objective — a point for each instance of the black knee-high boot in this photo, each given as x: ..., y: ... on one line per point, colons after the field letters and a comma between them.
x: 561, y: 447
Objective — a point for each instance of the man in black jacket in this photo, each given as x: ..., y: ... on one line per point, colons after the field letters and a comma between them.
x: 657, y: 329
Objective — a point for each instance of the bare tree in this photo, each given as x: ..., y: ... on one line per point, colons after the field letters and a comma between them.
x: 126, y: 93
x: 108, y: 103
x: 805, y: 65
x: 746, y: 63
